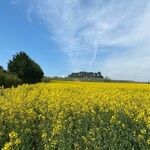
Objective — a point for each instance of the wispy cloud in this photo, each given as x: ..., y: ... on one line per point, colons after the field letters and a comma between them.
x: 86, y: 29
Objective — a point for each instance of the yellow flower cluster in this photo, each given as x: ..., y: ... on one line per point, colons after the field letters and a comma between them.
x: 13, y: 143
x: 75, y: 115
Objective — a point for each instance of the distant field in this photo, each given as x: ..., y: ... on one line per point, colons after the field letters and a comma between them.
x: 75, y: 115
x: 51, y: 79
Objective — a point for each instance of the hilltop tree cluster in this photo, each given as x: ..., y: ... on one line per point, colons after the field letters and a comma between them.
x: 84, y: 74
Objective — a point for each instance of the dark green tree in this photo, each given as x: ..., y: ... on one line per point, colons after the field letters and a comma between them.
x: 25, y: 68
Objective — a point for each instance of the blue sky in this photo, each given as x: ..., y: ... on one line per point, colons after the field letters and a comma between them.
x: 18, y: 33
x: 63, y: 36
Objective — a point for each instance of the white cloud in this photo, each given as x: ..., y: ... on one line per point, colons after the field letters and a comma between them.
x: 83, y: 27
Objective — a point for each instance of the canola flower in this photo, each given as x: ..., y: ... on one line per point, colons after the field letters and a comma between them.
x: 75, y: 116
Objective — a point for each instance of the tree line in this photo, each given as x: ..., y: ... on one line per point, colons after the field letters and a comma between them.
x: 22, y: 69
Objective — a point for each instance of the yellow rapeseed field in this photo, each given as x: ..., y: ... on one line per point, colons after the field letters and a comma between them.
x: 75, y: 116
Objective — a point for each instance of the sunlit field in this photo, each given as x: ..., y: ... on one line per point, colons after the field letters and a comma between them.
x: 75, y: 116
